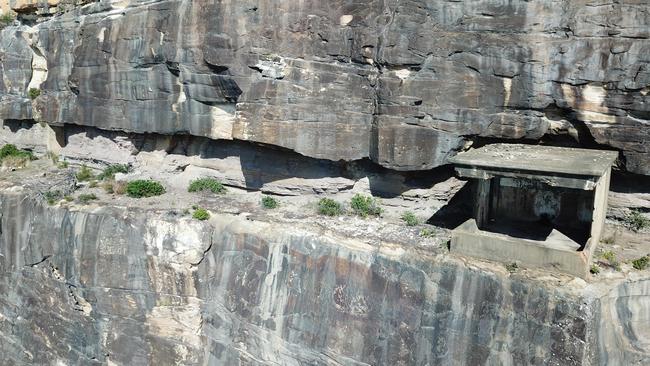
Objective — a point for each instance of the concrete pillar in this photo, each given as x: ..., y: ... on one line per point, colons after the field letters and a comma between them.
x: 482, y: 208
x: 600, y: 207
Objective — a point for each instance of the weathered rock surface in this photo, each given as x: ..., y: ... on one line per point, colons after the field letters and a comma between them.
x: 135, y: 287
x: 403, y: 83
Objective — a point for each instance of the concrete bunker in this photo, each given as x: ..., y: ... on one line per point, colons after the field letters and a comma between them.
x: 537, y: 205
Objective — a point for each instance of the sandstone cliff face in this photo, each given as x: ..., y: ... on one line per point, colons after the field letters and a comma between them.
x: 405, y: 84
x: 134, y: 287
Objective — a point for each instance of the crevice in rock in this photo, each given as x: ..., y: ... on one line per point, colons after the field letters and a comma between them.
x: 173, y: 68
x: 218, y: 69
x: 39, y: 262
x: 205, y: 252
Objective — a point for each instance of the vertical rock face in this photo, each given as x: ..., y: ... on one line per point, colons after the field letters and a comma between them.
x: 403, y: 83
x: 111, y: 286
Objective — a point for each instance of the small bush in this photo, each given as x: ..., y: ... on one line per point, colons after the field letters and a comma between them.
x: 15, y: 162
x: 410, y: 219
x: 119, y: 187
x: 365, y: 205
x: 33, y: 93
x: 85, y: 198
x: 52, y: 197
x: 427, y: 233
x: 329, y: 207
x: 641, y: 263
x: 636, y: 221
x: 6, y: 19
x: 92, y: 184
x: 594, y: 269
x: 68, y: 198
x: 609, y: 256
x: 512, y: 267
x: 108, y: 187
x: 144, y: 188
x: 10, y: 150
x: 206, y: 184
x: 84, y: 174
x: 201, y: 214
x: 63, y: 165
x: 269, y: 202
x: 110, y: 171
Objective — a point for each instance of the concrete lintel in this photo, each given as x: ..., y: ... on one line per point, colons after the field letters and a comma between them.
x: 585, y: 182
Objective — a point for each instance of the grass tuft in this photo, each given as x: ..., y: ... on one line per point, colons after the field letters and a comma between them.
x: 269, y: 202
x: 84, y: 174
x: 201, y: 214
x: 206, y: 184
x: 641, y: 263
x: 594, y: 269
x: 365, y: 206
x: 329, y: 207
x: 410, y: 219
x: 85, y: 198
x: 512, y: 267
x: 12, y: 156
x: 34, y: 93
x: 636, y: 221
x: 144, y: 188
x: 110, y: 171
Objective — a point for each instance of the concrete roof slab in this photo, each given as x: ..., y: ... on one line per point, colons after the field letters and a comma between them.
x: 538, y: 159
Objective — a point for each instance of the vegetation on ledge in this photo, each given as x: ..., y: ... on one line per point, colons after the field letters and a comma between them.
x: 14, y: 157
x: 144, y: 188
x: 329, y: 207
x: 365, y: 205
x: 206, y: 184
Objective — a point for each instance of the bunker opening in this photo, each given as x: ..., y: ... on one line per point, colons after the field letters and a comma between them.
x: 539, y: 205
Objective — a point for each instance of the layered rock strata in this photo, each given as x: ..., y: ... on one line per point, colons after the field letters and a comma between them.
x: 405, y: 84
x: 128, y: 286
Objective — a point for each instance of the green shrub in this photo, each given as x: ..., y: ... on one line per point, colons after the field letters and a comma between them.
x: 144, y: 188
x: 329, y: 207
x: 512, y: 267
x: 641, y: 263
x: 6, y: 19
x: 594, y: 269
x: 68, y: 198
x: 33, y: 93
x: 206, y: 184
x: 269, y: 202
x: 201, y: 214
x: 52, y: 197
x: 110, y: 171
x: 365, y: 205
x: 410, y: 219
x: 93, y: 184
x: 85, y: 198
x: 609, y: 256
x: 10, y: 150
x: 636, y: 221
x: 84, y: 174
x: 63, y: 165
x: 427, y: 233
